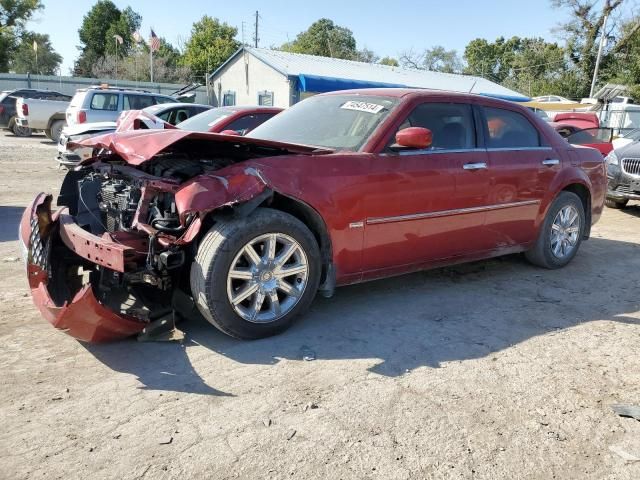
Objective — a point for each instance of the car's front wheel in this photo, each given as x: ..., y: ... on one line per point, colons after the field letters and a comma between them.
x: 252, y: 277
x: 561, y: 233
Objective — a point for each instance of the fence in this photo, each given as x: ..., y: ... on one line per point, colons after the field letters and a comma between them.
x: 69, y: 85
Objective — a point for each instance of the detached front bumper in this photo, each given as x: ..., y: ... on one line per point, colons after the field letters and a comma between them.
x: 82, y: 316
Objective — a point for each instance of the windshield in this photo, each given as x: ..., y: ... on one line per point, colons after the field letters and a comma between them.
x: 203, y: 122
x: 339, y: 122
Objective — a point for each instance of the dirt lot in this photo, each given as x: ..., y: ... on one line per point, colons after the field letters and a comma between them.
x: 491, y: 370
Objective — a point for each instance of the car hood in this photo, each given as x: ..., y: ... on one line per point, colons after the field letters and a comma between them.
x: 629, y: 150
x: 81, y: 128
x: 136, y: 147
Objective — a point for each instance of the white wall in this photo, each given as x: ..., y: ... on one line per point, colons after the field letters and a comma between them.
x: 246, y: 75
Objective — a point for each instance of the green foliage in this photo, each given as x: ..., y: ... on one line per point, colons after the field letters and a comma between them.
x: 367, y: 56
x: 13, y: 16
x: 324, y: 38
x: 212, y: 42
x: 99, y: 26
x: 392, y: 62
x: 24, y: 59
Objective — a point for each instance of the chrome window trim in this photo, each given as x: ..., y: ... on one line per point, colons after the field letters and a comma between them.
x: 466, y: 150
x: 501, y: 149
x: 446, y: 213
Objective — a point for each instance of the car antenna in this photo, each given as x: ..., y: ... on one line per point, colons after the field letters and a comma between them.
x: 474, y: 84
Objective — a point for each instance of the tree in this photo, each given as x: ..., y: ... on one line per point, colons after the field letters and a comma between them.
x: 367, y: 56
x: 583, y: 31
x: 24, y: 60
x: 13, y: 16
x: 210, y: 45
x: 99, y: 26
x: 392, y: 62
x: 326, y: 39
x: 436, y: 59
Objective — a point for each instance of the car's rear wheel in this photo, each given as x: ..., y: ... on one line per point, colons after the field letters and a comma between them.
x: 56, y: 130
x: 252, y: 277
x: 20, y: 131
x: 618, y: 204
x: 561, y: 233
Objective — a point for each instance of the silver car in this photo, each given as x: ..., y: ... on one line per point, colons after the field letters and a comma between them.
x: 104, y: 104
x: 172, y: 113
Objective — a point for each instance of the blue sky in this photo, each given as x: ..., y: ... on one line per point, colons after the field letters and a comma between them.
x: 384, y: 27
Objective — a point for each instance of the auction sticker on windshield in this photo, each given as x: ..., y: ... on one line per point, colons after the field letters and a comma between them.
x: 362, y: 106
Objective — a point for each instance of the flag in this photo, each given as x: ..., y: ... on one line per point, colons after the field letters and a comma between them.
x: 35, y: 46
x: 137, y: 37
x: 154, y: 41
x: 119, y: 39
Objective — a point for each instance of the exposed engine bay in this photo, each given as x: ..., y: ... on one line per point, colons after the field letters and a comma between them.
x: 136, y: 207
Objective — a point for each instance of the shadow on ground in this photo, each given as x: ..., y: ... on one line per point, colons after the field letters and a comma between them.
x: 9, y: 221
x: 423, y: 319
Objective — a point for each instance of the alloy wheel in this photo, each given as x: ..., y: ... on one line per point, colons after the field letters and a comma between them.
x: 267, y: 278
x: 565, y: 231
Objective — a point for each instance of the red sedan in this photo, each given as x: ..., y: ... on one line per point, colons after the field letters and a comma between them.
x: 340, y: 188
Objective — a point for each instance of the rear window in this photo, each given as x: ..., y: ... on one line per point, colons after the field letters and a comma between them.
x: 137, y: 102
x: 164, y: 100
x: 105, y: 101
x: 203, y: 122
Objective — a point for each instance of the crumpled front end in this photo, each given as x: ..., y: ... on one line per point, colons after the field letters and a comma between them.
x: 56, y: 278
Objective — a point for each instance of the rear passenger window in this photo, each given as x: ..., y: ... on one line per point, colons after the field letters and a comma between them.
x: 507, y: 129
x: 104, y: 101
x: 451, y: 124
x: 137, y: 102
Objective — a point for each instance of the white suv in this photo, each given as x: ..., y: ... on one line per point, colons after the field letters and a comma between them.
x: 104, y: 104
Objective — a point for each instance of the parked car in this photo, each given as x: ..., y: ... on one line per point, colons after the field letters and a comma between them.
x: 552, y: 99
x: 623, y: 173
x: 8, y: 106
x: 341, y: 188
x: 626, y: 138
x: 203, y: 116
x: 44, y: 115
x: 104, y: 104
x: 237, y: 119
x: 599, y: 138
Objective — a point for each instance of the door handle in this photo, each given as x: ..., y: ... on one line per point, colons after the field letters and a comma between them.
x: 550, y: 162
x: 475, y: 166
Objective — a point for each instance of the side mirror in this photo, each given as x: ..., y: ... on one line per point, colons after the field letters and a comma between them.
x: 413, y: 137
x: 231, y: 132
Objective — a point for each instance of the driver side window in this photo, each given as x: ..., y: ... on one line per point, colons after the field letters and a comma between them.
x: 451, y: 125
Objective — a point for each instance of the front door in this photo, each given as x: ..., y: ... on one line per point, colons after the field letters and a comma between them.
x: 426, y: 205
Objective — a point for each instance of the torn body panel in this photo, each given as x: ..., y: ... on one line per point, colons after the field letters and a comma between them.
x: 81, y: 315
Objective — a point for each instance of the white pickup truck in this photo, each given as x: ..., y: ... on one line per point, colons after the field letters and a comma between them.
x: 46, y: 115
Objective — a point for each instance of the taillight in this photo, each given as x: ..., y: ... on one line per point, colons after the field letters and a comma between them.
x: 81, y: 116
x: 25, y: 109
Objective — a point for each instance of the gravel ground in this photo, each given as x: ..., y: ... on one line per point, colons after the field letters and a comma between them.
x: 490, y: 370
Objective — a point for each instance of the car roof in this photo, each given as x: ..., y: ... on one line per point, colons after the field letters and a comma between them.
x: 246, y: 108
x: 418, y: 93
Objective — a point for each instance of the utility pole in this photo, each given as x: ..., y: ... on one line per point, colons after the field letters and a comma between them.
x: 603, y: 37
x: 255, y: 37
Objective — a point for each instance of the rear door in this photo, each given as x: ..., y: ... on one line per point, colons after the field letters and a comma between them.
x: 522, y: 166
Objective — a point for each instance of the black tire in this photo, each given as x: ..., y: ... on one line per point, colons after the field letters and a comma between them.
x: 19, y: 131
x: 617, y: 204
x: 218, y: 249
x: 541, y: 254
x: 47, y: 133
x: 56, y: 130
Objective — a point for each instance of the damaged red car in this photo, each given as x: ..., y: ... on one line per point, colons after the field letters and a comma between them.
x: 340, y: 188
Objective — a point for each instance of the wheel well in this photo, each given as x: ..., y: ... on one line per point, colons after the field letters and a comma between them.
x: 585, y: 197
x: 309, y: 217
x: 55, y: 118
